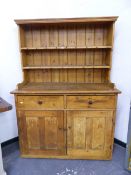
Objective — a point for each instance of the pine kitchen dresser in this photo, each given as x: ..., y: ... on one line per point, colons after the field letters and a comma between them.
x: 66, y: 104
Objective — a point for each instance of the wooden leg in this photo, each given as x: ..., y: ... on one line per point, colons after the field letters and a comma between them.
x: 2, y: 172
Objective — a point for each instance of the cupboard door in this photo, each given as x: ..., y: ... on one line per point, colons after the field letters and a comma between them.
x: 90, y: 134
x: 42, y: 132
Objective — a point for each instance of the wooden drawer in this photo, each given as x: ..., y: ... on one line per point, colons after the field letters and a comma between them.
x: 92, y: 102
x: 40, y: 102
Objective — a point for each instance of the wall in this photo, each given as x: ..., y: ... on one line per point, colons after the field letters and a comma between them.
x: 10, y: 68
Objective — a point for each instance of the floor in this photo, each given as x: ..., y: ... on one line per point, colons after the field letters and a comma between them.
x: 14, y: 165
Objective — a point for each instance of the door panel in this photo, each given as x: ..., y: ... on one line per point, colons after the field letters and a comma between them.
x: 98, y: 133
x: 79, y: 132
x: 51, y: 132
x: 89, y: 133
x: 44, y: 131
x: 33, y: 132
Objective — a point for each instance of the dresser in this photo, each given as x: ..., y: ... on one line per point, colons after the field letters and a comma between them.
x: 66, y: 104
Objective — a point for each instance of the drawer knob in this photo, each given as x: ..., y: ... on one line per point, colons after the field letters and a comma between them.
x: 40, y: 102
x: 90, y: 102
x: 60, y: 128
x: 21, y: 102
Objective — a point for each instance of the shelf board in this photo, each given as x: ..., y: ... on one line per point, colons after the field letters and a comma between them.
x: 67, y: 67
x: 75, y: 88
x: 56, y: 48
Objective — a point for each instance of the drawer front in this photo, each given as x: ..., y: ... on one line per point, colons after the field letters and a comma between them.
x: 40, y: 102
x: 91, y: 102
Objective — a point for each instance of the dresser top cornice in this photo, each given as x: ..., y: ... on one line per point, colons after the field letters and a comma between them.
x: 66, y: 20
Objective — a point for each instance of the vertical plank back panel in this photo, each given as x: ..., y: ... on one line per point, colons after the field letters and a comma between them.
x: 62, y: 38
x: 80, y: 76
x: 30, y: 58
x: 98, y: 54
x: 37, y: 58
x: 46, y: 59
x: 89, y: 35
x: 97, y: 76
x: 44, y: 37
x: 53, y: 36
x: 80, y: 57
x: 98, y: 36
x: 63, y: 75
x: 28, y: 36
x: 36, y: 37
x: 89, y: 76
x: 63, y: 57
x: 72, y: 57
x: 55, y: 76
x: 38, y: 76
x: 71, y: 36
x: 46, y: 74
x: 22, y: 38
x: 89, y: 60
x: 72, y: 76
x: 81, y: 39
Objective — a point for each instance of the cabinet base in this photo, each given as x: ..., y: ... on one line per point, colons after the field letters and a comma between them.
x: 67, y: 157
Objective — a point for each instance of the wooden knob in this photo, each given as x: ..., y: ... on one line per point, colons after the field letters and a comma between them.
x: 60, y: 128
x: 21, y: 102
x: 40, y: 102
x: 90, y: 102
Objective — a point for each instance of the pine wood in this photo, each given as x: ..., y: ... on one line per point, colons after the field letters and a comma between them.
x: 87, y: 133
x: 40, y: 102
x: 93, y: 102
x: 66, y: 103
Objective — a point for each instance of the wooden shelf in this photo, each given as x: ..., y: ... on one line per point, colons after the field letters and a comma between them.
x: 66, y: 67
x: 55, y: 87
x: 74, y: 88
x: 56, y: 48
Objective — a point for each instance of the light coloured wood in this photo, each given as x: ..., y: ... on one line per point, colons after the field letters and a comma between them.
x: 44, y: 132
x: 95, y: 102
x: 40, y: 102
x: 66, y: 20
x: 66, y: 103
x: 67, y: 48
x: 86, y: 134
x: 67, y: 88
x: 65, y: 67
